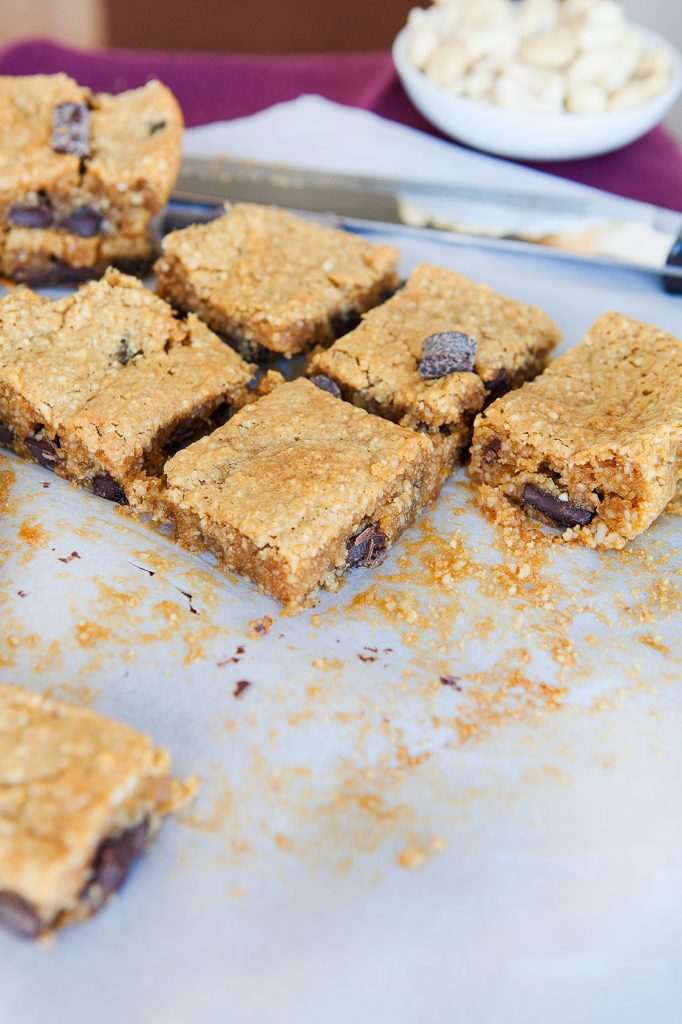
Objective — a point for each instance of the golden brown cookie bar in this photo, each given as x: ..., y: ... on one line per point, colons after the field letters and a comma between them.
x: 81, y: 797
x: 592, y: 446
x: 430, y: 357
x: 273, y: 282
x: 104, y: 384
x: 298, y: 488
x: 82, y: 176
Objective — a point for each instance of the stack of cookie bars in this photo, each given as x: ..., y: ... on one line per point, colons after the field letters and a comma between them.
x: 156, y: 400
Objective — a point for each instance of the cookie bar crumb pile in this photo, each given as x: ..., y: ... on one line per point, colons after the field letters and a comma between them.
x: 593, y: 445
x: 81, y: 797
x: 82, y: 176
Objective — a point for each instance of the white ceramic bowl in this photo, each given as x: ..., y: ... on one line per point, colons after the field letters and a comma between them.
x: 533, y: 136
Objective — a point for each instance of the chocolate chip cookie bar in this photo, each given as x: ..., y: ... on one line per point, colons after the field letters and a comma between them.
x: 82, y: 176
x: 271, y: 282
x: 104, y: 384
x: 431, y: 356
x: 298, y: 488
x: 81, y: 797
x: 594, y: 445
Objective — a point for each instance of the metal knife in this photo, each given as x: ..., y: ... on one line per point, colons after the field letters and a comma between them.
x: 606, y: 230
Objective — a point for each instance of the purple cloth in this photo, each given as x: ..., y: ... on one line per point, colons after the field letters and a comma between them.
x: 216, y: 87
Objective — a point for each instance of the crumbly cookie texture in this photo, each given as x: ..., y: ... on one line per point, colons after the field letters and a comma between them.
x: 81, y: 796
x: 82, y: 176
x: 273, y: 282
x: 378, y: 365
x: 104, y: 384
x: 299, y: 487
x: 593, y: 445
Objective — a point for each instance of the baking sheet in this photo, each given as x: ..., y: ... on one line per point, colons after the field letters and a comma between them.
x: 369, y: 843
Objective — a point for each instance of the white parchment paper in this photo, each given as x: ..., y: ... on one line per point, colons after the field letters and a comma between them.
x: 370, y: 844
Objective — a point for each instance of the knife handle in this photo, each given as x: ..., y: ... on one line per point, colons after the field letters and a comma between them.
x: 673, y: 285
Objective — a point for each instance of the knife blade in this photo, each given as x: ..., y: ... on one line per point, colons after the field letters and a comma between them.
x: 605, y: 230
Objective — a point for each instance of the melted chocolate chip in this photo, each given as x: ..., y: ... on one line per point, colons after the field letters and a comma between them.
x: 43, y: 451
x: 156, y: 126
x: 446, y: 352
x: 188, y: 431
x: 454, y: 681
x: 71, y: 129
x: 320, y: 380
x: 56, y: 273
x: 126, y: 352
x: 39, y: 216
x: 563, y: 513
x: 106, y: 487
x: 344, y: 322
x: 19, y: 915
x: 6, y: 434
x: 114, y: 858
x: 83, y: 222
x: 365, y: 548
x: 490, y: 451
x: 240, y: 686
x: 499, y: 383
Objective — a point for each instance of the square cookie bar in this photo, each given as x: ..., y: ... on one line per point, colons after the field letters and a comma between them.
x: 81, y: 797
x: 271, y: 282
x: 104, y: 384
x: 431, y: 356
x: 299, y: 487
x: 82, y: 176
x: 594, y: 445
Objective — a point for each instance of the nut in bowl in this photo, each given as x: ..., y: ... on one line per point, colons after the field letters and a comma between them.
x: 538, y: 79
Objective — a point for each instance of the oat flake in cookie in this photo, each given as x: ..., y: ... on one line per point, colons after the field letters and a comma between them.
x: 592, y: 447
x: 82, y: 176
x: 81, y: 798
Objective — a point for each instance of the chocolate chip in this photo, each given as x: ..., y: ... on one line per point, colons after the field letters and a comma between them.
x: 6, y: 434
x: 43, y: 451
x: 239, y: 687
x: 105, y: 486
x: 39, y: 216
x: 446, y: 352
x: 71, y: 129
x: 114, y: 858
x: 563, y: 513
x: 134, y: 267
x: 19, y: 915
x: 56, y: 273
x: 490, y: 451
x: 365, y: 548
x: 320, y: 380
x: 499, y: 383
x: 156, y: 126
x: 83, y: 222
x: 123, y: 354
x: 186, y: 432
x: 344, y: 322
x: 454, y: 681
x: 126, y: 352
